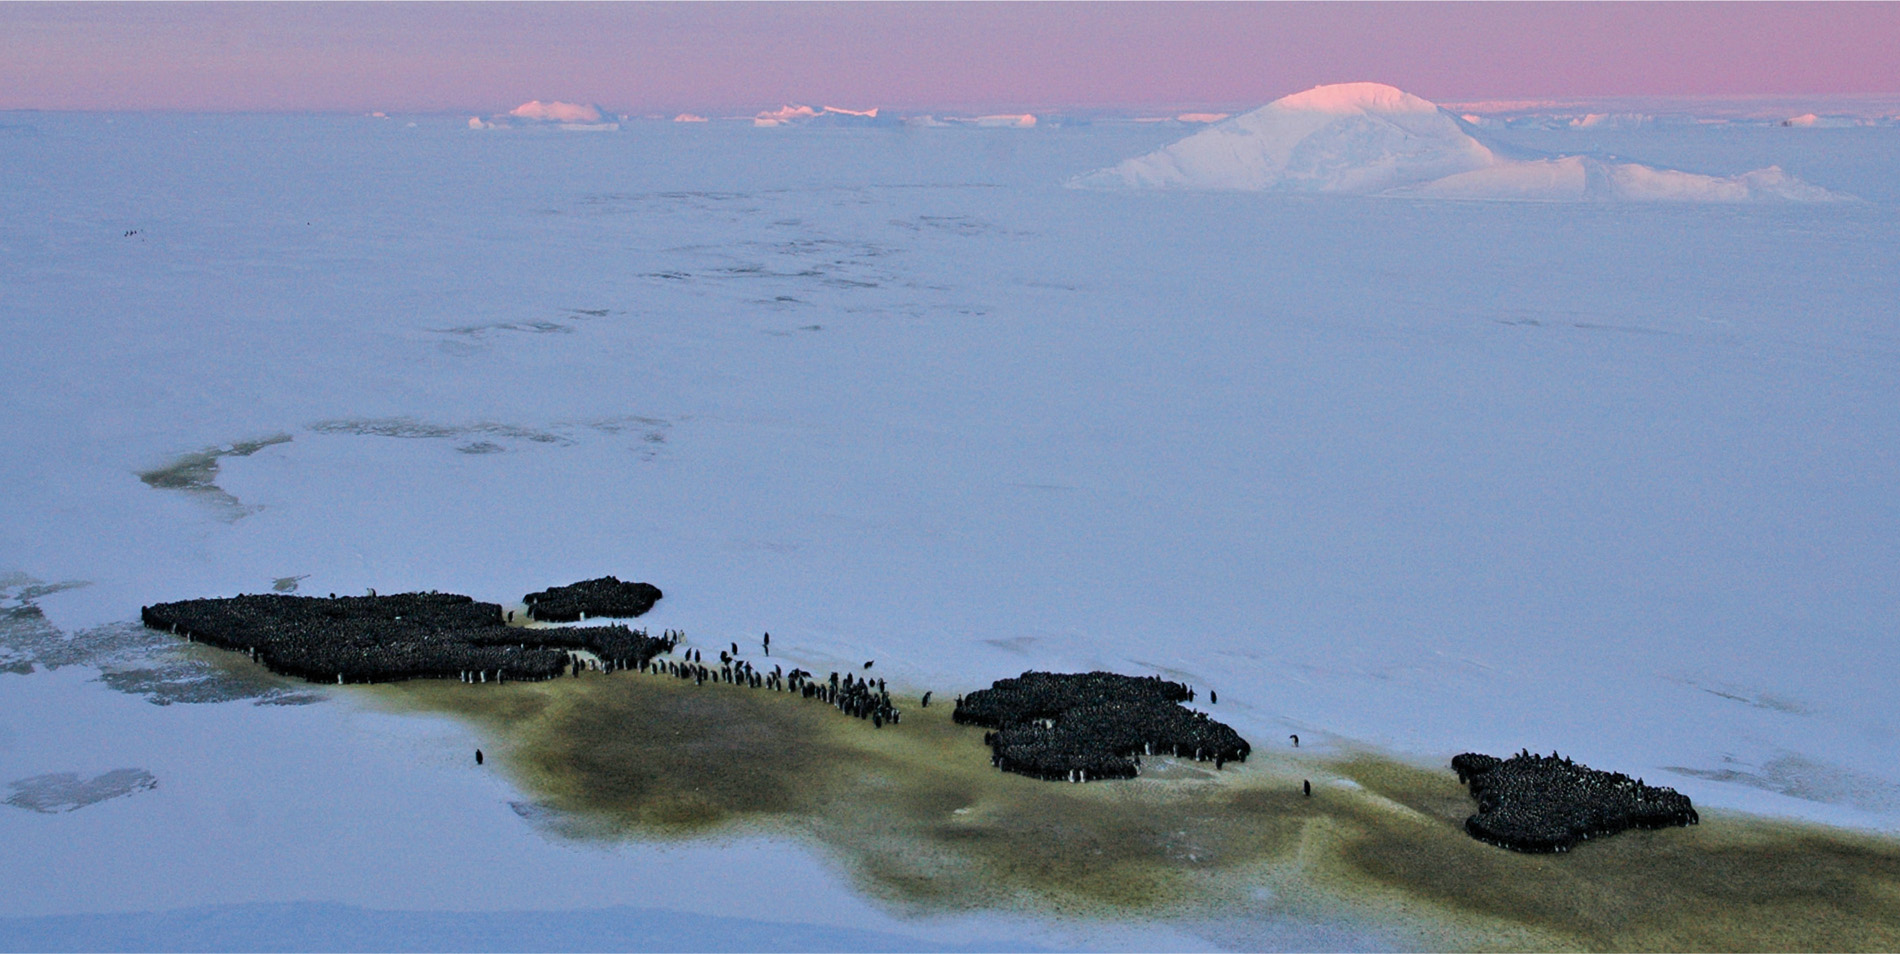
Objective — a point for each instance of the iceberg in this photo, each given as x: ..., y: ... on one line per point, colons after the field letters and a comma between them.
x: 557, y: 112
x: 1374, y: 139
x: 1352, y: 138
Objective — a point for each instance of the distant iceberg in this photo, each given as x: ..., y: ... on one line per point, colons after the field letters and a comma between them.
x: 556, y: 112
x: 1353, y: 138
x: 1014, y: 120
x: 572, y: 117
x: 1581, y: 179
x: 828, y: 116
x: 1373, y: 139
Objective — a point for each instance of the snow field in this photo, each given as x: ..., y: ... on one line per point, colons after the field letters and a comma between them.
x: 1418, y: 476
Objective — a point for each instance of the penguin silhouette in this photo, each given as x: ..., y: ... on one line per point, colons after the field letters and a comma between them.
x: 478, y: 756
x: 1212, y: 697
x: 1296, y: 740
x: 1307, y: 786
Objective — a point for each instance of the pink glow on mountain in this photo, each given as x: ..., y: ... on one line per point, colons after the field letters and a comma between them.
x: 1342, y: 99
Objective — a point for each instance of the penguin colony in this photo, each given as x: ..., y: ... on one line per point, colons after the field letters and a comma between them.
x: 356, y: 639
x: 607, y: 596
x: 1073, y: 727
x: 1543, y: 803
x: 393, y: 638
x: 1080, y: 727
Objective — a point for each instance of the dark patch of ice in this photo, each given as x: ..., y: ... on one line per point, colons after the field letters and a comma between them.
x: 197, y: 474
x: 1760, y: 701
x: 409, y: 428
x: 615, y: 425
x: 66, y: 791
x: 524, y: 327
x: 1799, y: 777
x: 1626, y: 329
x: 191, y: 681
x: 130, y: 658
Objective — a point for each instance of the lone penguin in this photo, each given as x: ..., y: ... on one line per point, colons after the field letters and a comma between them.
x: 1307, y: 786
x: 926, y: 702
x: 1212, y: 697
x: 869, y: 663
x: 478, y: 756
x: 1296, y: 740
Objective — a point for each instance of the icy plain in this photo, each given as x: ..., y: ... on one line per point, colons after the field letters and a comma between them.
x: 1411, y: 476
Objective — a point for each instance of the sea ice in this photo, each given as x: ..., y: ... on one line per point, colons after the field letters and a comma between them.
x: 1418, y: 476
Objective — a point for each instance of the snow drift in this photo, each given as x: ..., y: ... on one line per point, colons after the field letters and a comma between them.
x: 1373, y: 139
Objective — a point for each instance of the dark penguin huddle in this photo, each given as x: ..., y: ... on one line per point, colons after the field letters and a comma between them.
x: 393, y: 638
x: 1079, y: 727
x: 607, y: 596
x: 448, y: 636
x: 1543, y: 803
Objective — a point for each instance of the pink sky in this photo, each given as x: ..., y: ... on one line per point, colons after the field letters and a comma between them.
x: 489, y: 57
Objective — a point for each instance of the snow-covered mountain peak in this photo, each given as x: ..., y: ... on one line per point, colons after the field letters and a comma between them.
x: 1347, y: 138
x: 1374, y: 139
x: 1354, y: 98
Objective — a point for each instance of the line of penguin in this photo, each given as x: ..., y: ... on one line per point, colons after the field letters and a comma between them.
x: 854, y: 695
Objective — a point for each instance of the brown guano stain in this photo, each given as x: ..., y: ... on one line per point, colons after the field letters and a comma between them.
x: 917, y: 816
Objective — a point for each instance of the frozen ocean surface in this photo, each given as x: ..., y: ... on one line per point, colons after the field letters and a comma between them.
x: 1415, y: 476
